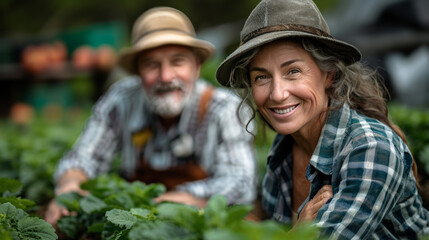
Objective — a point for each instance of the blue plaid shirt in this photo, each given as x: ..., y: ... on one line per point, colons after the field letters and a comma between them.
x: 369, y: 168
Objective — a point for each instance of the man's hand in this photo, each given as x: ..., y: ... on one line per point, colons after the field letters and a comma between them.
x: 70, y: 182
x: 311, y: 208
x: 182, y: 197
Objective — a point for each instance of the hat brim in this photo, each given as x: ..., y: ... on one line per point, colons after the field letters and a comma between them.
x: 344, y: 51
x: 127, y: 58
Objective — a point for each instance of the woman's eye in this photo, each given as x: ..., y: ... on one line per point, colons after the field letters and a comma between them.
x: 260, y: 78
x: 293, y: 71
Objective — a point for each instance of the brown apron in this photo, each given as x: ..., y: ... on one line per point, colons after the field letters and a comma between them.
x: 171, y: 177
x: 184, y: 172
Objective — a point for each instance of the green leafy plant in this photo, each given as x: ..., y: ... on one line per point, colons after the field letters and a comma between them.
x: 30, y: 153
x: 15, y: 222
x: 116, y: 209
x: 415, y: 124
x: 216, y: 221
x: 106, y: 192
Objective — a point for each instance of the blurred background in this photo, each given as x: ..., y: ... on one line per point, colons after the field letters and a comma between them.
x: 58, y: 57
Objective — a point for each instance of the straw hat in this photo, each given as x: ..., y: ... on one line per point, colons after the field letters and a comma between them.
x: 275, y: 19
x: 162, y: 26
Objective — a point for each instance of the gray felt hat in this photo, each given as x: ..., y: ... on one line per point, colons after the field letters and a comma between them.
x: 275, y: 19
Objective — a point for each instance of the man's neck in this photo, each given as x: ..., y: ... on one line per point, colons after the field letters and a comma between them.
x: 167, y: 123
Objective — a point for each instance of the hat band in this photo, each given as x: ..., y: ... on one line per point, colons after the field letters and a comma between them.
x: 161, y: 30
x: 286, y: 27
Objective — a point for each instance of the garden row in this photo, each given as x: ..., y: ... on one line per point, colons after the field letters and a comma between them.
x: 116, y: 209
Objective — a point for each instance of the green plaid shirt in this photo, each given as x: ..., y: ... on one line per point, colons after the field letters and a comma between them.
x: 369, y: 168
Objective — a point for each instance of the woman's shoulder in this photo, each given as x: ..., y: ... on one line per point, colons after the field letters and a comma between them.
x: 362, y: 125
x: 372, y: 132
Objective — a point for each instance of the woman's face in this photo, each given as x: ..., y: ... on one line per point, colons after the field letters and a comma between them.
x: 288, y: 87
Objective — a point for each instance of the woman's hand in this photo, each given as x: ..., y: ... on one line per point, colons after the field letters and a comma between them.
x: 182, y: 197
x: 311, y: 208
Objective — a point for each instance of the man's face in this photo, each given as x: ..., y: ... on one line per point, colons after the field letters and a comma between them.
x: 168, y: 75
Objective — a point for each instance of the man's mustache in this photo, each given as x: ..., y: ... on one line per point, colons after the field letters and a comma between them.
x: 163, y: 87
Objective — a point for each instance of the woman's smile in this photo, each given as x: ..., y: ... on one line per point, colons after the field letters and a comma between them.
x: 284, y: 110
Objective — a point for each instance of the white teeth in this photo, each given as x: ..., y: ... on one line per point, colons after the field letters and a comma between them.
x: 283, y: 111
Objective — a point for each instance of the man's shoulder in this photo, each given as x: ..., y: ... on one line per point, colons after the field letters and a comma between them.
x: 220, y: 94
x: 129, y: 83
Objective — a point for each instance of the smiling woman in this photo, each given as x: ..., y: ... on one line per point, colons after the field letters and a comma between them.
x: 337, y: 159
x: 289, y: 88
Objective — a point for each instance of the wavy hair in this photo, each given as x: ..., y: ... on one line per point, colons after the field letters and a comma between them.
x: 357, y: 85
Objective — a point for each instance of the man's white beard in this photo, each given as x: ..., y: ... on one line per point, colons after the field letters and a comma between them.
x: 167, y: 105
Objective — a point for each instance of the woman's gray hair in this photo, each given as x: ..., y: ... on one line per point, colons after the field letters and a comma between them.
x: 239, y: 81
x: 356, y: 84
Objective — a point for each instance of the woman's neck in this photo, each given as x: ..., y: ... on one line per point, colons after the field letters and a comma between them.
x: 307, y: 138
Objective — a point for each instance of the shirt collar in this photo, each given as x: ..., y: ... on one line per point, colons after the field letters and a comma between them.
x: 331, y: 138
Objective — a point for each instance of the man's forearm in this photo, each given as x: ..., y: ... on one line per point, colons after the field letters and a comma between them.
x: 70, y: 181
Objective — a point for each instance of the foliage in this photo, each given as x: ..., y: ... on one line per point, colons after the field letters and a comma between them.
x: 116, y: 209
x: 414, y: 123
x: 15, y: 222
x: 29, y: 153
x: 208, y: 70
x: 106, y: 192
x: 9, y: 191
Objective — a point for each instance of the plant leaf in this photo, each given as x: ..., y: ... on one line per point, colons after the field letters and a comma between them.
x: 121, y: 218
x: 140, y: 212
x: 222, y: 234
x: 90, y: 204
x: 36, y: 228
x: 69, y: 201
x: 96, y: 228
x: 12, y: 212
x: 18, y: 202
x: 237, y: 213
x: 69, y: 225
x: 9, y: 187
x: 180, y: 214
x: 161, y: 230
x: 215, y: 211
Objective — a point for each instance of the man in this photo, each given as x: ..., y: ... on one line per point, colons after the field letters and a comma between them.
x: 168, y: 126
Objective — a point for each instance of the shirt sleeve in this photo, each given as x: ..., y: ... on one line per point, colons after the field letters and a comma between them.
x: 98, y: 143
x: 230, y: 159
x: 372, y: 175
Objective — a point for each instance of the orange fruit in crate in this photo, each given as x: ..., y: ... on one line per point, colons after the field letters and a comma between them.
x: 105, y: 58
x: 21, y: 113
x: 83, y: 57
x: 34, y: 59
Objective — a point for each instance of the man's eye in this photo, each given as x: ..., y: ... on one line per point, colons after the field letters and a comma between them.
x: 148, y: 65
x: 178, y: 61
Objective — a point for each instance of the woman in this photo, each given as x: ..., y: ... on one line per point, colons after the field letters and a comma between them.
x: 333, y: 129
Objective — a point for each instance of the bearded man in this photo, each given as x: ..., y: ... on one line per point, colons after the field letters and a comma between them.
x: 168, y: 125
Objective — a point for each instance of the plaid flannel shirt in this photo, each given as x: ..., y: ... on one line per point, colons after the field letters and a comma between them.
x: 369, y: 168
x: 221, y: 145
